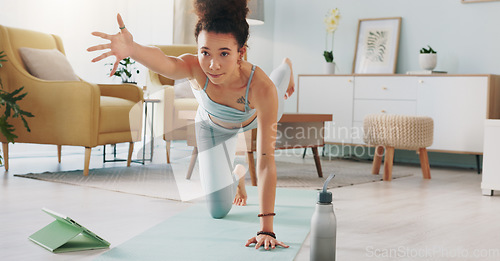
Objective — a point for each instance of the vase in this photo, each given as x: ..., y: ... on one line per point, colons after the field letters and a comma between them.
x: 428, y: 61
x: 329, y: 68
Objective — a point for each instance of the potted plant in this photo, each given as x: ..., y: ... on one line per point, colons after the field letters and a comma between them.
x: 11, y: 109
x: 126, y: 70
x: 331, y: 22
x: 428, y: 58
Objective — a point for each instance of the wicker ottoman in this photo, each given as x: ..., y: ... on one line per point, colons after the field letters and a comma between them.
x: 398, y: 132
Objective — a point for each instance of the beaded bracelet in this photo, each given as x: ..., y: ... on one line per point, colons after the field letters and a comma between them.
x: 267, y: 214
x: 266, y: 233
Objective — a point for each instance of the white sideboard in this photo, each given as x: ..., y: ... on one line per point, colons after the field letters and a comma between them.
x: 459, y: 104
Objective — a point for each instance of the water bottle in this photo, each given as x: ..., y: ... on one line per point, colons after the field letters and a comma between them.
x: 323, y: 227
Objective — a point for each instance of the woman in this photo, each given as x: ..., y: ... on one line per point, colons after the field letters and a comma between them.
x: 234, y: 96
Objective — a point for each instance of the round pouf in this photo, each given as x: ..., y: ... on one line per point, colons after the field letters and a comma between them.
x: 400, y: 132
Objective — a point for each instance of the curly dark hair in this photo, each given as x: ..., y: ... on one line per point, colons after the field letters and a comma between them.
x: 223, y: 16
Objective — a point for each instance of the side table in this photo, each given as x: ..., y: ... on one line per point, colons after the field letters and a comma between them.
x: 151, y: 125
x: 291, y: 127
x: 151, y: 103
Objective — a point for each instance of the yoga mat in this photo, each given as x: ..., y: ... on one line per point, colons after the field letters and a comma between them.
x: 194, y: 235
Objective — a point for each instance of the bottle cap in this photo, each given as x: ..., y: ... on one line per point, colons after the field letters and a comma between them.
x: 325, y: 196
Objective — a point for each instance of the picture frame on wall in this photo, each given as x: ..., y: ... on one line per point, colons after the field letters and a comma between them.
x: 377, y: 45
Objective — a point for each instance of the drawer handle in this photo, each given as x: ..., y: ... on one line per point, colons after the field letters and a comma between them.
x: 349, y: 80
x: 384, y: 88
x: 383, y: 111
x: 421, y: 81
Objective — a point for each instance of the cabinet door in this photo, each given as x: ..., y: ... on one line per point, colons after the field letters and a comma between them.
x: 458, y: 107
x: 385, y: 88
x: 362, y: 108
x: 328, y: 95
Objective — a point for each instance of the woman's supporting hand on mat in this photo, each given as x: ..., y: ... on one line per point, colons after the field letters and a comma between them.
x: 266, y: 241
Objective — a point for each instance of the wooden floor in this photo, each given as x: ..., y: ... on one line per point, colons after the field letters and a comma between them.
x: 445, y: 218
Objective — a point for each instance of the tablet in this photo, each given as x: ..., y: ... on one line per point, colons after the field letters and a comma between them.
x: 66, y: 235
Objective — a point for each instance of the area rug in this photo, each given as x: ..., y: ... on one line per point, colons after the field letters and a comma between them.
x: 193, y: 235
x: 168, y: 180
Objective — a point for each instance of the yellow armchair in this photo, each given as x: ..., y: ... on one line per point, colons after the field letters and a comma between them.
x: 178, y: 112
x: 75, y: 113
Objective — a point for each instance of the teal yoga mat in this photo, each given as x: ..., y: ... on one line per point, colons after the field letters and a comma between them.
x: 194, y: 235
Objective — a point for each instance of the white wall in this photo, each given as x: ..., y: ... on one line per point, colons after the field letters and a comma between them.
x: 149, y: 20
x: 466, y: 36
x: 261, y: 42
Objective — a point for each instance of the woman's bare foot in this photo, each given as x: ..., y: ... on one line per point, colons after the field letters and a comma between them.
x: 241, y: 194
x: 291, y: 84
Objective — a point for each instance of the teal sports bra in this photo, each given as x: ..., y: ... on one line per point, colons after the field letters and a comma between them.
x: 224, y: 112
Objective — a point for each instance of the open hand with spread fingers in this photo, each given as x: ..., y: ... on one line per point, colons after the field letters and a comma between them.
x: 121, y: 45
x: 267, y: 241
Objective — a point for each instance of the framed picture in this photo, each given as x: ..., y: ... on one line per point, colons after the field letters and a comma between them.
x: 377, y: 45
x: 477, y: 1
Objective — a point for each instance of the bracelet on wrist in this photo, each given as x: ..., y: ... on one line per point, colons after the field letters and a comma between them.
x: 266, y: 215
x: 271, y: 234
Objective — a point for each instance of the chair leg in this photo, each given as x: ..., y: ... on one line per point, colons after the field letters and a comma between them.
x: 194, y: 156
x: 168, y: 151
x: 87, y: 161
x: 389, y: 158
x: 5, y: 147
x: 317, y: 162
x: 130, y: 152
x: 377, y: 160
x: 59, y: 150
x: 424, y: 163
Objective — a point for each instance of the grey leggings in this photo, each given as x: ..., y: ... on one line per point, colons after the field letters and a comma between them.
x: 217, y: 148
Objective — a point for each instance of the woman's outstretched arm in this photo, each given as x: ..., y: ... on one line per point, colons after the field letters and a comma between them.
x: 122, y: 45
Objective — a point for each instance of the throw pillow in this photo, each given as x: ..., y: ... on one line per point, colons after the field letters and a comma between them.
x: 47, y: 64
x: 182, y: 89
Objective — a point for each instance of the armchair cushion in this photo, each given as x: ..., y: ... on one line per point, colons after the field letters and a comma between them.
x: 115, y: 114
x: 47, y: 64
x: 186, y: 104
x: 182, y: 89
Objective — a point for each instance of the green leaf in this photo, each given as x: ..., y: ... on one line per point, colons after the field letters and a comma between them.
x: 2, y: 60
x: 430, y: 50
x: 7, y: 129
x: 15, y: 92
x: 328, y: 56
x: 27, y: 114
x: 26, y: 124
x: 125, y: 69
x: 8, y: 100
